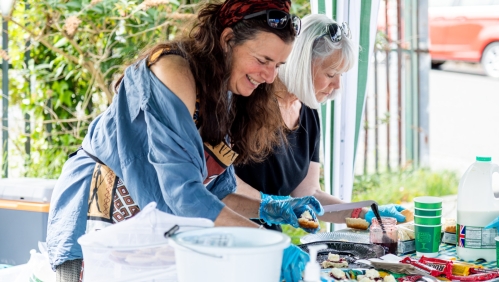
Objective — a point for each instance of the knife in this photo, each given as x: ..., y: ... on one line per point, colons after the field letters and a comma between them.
x: 347, y: 206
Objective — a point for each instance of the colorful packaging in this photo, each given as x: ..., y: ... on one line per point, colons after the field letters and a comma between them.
x: 445, y: 266
x: 463, y: 268
x: 422, y: 267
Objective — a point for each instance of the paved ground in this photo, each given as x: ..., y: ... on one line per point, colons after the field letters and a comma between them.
x: 464, y: 111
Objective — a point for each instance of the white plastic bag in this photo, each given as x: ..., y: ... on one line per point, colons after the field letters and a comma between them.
x: 135, y: 249
x: 38, y: 267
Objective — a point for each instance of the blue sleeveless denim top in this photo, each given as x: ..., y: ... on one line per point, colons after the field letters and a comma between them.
x: 148, y: 138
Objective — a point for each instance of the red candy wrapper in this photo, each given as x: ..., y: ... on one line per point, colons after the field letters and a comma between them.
x: 423, y: 267
x: 477, y: 274
x: 445, y: 266
x: 439, y: 267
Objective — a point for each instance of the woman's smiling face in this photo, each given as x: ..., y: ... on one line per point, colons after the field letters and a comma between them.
x: 256, y: 61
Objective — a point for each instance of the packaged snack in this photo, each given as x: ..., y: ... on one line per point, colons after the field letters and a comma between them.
x: 463, y: 268
x: 476, y: 275
x: 445, y: 266
x: 422, y: 267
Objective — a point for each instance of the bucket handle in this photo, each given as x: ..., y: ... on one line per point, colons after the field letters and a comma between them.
x: 201, y: 253
x: 174, y: 229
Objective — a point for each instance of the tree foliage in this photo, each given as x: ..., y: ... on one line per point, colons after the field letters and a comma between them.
x: 77, y: 48
x: 62, y: 80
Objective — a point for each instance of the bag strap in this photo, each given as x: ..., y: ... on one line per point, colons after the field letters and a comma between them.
x: 90, y: 155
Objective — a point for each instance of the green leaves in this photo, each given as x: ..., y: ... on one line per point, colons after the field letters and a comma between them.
x: 77, y: 48
x: 404, y: 185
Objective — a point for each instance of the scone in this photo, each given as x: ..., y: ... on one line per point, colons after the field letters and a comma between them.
x: 334, y: 261
x: 372, y: 274
x: 389, y: 278
x: 337, y: 274
x: 409, y: 215
x: 307, y: 221
x: 449, y: 225
x: 357, y: 223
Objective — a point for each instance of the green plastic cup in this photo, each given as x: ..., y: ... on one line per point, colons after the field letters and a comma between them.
x: 428, y: 212
x: 427, y: 202
x: 427, y: 239
x: 497, y: 250
x: 428, y: 220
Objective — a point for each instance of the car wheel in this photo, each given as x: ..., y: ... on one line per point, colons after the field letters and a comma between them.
x: 436, y: 64
x: 490, y: 60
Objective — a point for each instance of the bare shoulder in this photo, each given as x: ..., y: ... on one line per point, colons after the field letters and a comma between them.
x: 175, y: 73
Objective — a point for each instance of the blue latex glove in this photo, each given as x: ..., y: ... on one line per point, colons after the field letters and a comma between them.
x: 301, y: 210
x: 288, y: 209
x: 387, y: 211
x: 274, y: 197
x: 293, y: 263
x: 297, y: 212
x: 493, y: 224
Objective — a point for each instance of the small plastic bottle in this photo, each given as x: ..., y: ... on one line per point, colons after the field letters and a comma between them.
x: 312, y: 271
x: 389, y: 240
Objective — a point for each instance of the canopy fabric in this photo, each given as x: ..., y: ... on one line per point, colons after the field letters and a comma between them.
x: 341, y: 119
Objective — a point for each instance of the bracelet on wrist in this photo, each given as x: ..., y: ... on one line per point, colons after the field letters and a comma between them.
x: 356, y: 213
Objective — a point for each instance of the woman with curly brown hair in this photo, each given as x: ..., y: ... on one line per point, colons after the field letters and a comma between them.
x: 184, y: 112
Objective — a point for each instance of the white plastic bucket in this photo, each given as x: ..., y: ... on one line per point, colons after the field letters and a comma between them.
x: 228, y: 254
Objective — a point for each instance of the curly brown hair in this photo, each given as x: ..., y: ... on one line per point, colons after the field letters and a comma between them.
x: 253, y: 124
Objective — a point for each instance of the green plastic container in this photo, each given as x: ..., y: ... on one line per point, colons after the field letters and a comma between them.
x: 428, y: 212
x: 427, y: 239
x: 427, y: 202
x: 428, y: 220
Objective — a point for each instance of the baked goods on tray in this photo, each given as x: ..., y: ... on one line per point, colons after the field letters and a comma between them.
x: 367, y: 276
x: 334, y: 260
x: 307, y: 221
x: 337, y: 274
x: 357, y: 223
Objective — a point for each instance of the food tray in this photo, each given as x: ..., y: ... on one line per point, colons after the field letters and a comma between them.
x: 348, y: 250
x: 345, y: 235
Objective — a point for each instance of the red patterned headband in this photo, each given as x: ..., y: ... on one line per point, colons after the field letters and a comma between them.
x: 233, y: 11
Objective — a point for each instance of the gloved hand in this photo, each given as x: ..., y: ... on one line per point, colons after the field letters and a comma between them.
x: 301, y: 210
x: 493, y: 224
x: 287, y: 211
x: 293, y: 263
x: 274, y: 197
x: 388, y: 211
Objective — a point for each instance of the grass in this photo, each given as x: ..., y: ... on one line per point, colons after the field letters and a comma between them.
x: 403, y: 186
x: 393, y: 188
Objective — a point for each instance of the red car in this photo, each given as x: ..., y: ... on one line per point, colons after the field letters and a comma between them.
x: 465, y: 30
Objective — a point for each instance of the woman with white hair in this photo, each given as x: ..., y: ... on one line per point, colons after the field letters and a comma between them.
x: 321, y: 54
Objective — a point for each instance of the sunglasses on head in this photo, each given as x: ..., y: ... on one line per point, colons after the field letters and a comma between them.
x: 336, y: 32
x: 278, y: 19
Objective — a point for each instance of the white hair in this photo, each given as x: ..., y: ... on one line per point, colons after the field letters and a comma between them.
x: 297, y: 74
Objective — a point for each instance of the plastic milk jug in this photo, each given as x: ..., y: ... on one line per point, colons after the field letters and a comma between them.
x: 477, y: 207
